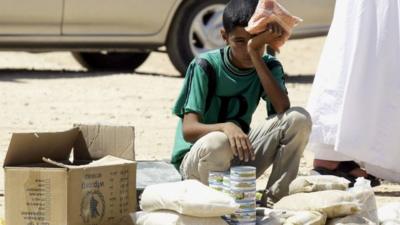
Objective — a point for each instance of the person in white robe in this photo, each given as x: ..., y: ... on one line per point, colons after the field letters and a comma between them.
x: 355, y: 98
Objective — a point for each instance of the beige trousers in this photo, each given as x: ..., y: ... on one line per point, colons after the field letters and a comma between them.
x: 279, y: 141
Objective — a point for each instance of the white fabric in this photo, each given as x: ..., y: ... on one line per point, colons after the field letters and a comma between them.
x: 173, y: 218
x: 189, y: 197
x: 382, y: 172
x: 327, y: 152
x: 355, y: 99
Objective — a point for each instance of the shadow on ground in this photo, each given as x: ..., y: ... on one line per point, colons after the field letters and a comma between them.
x: 388, y: 193
x: 300, y: 79
x: 14, y: 75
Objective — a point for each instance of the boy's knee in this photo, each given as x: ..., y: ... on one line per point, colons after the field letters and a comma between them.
x: 299, y: 119
x: 215, y: 141
x: 217, y: 149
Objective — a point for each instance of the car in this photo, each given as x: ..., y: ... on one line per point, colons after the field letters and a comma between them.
x: 120, y: 34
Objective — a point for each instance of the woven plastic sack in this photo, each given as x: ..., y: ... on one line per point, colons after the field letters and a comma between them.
x: 389, y: 214
x: 306, y: 218
x: 284, y: 217
x: 333, y: 203
x: 351, y: 220
x: 365, y: 196
x: 189, y: 197
x: 269, y: 11
x: 173, y: 218
x: 318, y: 183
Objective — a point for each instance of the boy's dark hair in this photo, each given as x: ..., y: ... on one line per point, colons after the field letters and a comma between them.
x: 237, y: 13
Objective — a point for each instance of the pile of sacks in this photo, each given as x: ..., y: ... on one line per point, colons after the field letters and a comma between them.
x: 313, y: 200
x: 184, y: 203
x: 319, y: 200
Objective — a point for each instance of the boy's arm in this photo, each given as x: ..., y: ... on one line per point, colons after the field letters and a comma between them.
x: 278, y: 97
x: 193, y: 130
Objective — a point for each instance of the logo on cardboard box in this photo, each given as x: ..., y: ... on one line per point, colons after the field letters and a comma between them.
x: 92, y: 207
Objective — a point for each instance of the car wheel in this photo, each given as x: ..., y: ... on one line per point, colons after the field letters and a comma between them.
x: 115, y: 61
x: 195, y: 29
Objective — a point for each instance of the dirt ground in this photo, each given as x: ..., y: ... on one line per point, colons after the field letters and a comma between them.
x: 51, y: 91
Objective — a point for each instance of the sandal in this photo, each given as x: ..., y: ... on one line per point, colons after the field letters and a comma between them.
x: 263, y: 200
x: 343, y: 170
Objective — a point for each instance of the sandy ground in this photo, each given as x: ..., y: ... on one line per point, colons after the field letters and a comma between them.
x: 50, y: 92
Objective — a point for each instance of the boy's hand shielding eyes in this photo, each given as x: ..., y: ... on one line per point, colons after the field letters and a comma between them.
x: 239, y: 142
x: 273, y: 32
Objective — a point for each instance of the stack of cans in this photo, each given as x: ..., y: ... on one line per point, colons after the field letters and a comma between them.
x: 226, y: 183
x: 215, y: 180
x: 220, y: 181
x: 243, y: 190
x: 227, y: 190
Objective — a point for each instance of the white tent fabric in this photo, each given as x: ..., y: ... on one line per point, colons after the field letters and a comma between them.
x: 355, y: 99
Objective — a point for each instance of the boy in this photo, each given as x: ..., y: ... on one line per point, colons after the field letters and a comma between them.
x: 220, y: 94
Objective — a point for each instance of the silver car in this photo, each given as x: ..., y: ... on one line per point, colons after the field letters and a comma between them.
x: 120, y: 34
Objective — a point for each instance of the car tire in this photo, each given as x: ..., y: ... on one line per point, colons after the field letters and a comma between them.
x: 115, y: 61
x: 181, y: 39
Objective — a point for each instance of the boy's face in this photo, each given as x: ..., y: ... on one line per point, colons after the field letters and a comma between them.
x: 237, y: 40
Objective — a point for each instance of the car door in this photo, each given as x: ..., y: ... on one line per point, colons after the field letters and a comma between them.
x: 30, y: 17
x: 115, y: 17
x: 317, y: 15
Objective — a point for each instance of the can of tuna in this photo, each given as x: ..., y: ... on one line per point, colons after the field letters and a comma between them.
x: 240, y: 196
x: 246, y: 206
x: 244, y: 218
x: 244, y: 223
x: 226, y: 190
x: 226, y: 180
x: 226, y: 183
x: 217, y: 187
x: 243, y: 173
x: 243, y: 185
x: 216, y: 177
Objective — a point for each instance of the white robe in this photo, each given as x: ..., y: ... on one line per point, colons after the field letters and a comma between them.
x: 355, y: 99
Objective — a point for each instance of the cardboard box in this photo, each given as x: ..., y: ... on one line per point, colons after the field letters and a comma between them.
x: 42, y: 186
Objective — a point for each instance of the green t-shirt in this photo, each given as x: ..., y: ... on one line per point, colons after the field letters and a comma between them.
x: 219, y: 92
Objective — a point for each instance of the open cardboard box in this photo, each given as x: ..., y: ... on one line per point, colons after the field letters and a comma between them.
x: 43, y: 186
